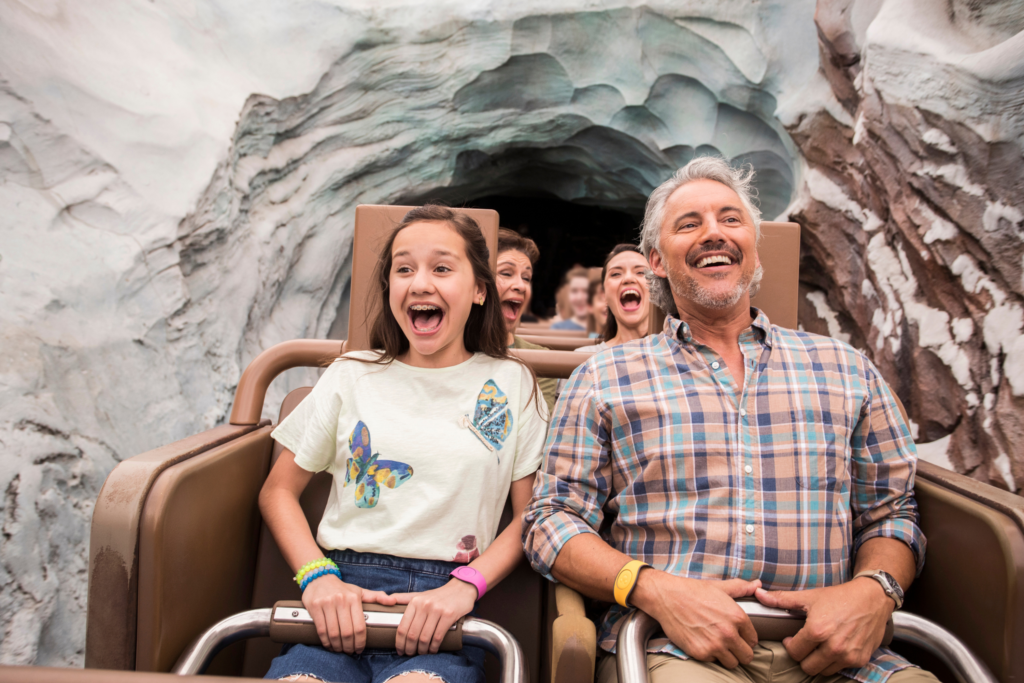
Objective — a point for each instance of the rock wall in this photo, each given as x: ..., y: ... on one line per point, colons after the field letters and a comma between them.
x: 177, y: 197
x: 912, y: 199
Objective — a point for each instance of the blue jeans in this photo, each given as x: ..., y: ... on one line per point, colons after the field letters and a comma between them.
x: 391, y: 575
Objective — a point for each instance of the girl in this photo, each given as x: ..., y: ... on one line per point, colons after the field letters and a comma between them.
x: 425, y: 438
x: 626, y: 294
x: 517, y: 256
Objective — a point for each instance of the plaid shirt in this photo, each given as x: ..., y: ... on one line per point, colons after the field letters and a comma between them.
x: 654, y: 444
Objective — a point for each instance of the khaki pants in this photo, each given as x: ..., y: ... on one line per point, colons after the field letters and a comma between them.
x: 772, y: 664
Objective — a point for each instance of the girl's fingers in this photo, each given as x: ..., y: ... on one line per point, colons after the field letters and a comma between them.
x: 359, y: 627
x: 333, y: 630
x: 403, y: 629
x: 440, y: 630
x: 402, y: 598
x: 427, y: 633
x: 412, y: 635
x: 378, y: 597
x: 348, y: 639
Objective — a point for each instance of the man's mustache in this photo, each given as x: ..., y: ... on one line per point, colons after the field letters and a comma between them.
x: 710, y: 247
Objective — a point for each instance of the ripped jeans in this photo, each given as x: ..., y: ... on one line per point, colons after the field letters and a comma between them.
x: 392, y: 575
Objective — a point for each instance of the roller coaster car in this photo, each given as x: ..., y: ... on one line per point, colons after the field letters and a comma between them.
x: 178, y: 545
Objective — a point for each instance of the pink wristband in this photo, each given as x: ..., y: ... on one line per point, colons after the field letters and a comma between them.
x: 471, y: 576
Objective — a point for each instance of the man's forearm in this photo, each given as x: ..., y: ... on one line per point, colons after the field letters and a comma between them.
x: 890, y: 555
x: 588, y: 565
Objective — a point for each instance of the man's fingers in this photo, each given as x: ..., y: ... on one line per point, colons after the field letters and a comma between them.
x: 801, y: 645
x: 748, y: 633
x: 741, y: 650
x: 727, y: 659
x: 816, y: 662
x: 783, y: 599
x: 739, y: 588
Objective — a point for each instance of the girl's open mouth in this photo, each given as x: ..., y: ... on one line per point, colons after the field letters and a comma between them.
x: 510, y: 309
x: 425, y: 318
x: 630, y: 299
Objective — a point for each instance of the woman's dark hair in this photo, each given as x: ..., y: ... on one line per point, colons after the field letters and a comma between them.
x: 485, y: 330
x: 510, y: 240
x: 611, y: 327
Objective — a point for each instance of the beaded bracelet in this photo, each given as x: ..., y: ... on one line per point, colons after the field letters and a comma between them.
x: 316, y: 574
x: 310, y: 566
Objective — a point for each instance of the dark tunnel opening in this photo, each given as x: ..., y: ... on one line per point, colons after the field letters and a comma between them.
x: 566, y: 233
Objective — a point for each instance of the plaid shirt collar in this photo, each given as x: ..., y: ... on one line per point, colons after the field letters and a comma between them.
x: 679, y: 330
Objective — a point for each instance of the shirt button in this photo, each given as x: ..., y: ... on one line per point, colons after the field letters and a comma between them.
x: 743, y: 412
x: 748, y: 469
x: 714, y: 365
x: 750, y: 528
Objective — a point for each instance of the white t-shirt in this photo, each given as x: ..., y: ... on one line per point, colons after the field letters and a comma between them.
x: 422, y: 458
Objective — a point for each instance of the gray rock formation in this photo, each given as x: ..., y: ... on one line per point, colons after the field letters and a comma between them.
x: 130, y: 301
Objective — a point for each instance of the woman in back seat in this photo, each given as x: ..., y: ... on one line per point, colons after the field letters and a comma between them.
x: 517, y: 255
x: 426, y: 437
x: 627, y: 297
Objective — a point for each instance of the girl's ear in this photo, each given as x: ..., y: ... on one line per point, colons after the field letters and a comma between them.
x: 480, y: 294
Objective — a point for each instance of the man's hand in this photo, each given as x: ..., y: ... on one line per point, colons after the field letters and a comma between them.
x: 845, y: 624
x: 701, y: 617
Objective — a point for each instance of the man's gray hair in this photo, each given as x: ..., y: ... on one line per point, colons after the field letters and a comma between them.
x: 739, y: 180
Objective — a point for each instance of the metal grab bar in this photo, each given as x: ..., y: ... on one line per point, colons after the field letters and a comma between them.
x: 256, y: 623
x: 638, y: 628
x: 196, y: 657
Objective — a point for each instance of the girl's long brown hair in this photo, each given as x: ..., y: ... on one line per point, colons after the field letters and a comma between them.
x: 611, y: 327
x: 485, y: 330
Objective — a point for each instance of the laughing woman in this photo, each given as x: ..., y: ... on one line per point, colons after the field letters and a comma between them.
x: 516, y: 258
x: 625, y: 289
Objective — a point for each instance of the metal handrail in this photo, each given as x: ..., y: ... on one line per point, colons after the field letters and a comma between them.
x: 196, y: 657
x: 255, y: 623
x: 638, y: 627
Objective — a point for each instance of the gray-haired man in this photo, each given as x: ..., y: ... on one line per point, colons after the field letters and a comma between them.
x: 726, y: 456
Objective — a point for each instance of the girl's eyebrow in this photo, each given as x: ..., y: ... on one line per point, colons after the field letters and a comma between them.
x: 435, y: 252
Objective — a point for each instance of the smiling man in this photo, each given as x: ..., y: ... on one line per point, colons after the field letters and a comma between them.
x: 727, y: 459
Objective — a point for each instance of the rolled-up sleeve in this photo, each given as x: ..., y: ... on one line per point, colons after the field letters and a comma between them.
x: 573, y: 482
x: 884, y: 462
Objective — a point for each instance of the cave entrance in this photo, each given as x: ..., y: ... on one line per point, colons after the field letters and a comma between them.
x: 567, y: 234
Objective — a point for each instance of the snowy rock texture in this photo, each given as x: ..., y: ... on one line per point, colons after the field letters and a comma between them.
x: 178, y: 183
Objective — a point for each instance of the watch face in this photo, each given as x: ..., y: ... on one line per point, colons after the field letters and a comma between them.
x: 893, y: 584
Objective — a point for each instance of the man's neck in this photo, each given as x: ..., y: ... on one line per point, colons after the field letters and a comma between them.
x: 718, y: 328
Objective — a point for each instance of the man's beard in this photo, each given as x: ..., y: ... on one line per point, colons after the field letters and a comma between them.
x: 686, y: 287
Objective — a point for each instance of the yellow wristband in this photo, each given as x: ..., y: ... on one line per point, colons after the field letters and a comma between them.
x: 625, y: 581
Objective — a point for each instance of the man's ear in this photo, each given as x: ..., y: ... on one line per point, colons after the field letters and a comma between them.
x: 657, y: 267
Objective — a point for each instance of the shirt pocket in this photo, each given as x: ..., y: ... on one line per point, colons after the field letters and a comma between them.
x: 825, y: 425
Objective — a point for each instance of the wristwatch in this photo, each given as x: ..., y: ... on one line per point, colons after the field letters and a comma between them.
x: 890, y: 585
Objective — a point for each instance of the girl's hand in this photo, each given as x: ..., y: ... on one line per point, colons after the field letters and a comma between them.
x: 337, y: 611
x: 430, y: 614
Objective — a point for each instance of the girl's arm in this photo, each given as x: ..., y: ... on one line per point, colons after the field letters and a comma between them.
x: 430, y: 614
x: 336, y: 607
